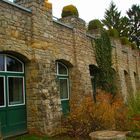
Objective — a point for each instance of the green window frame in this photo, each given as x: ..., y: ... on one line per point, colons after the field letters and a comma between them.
x: 6, y: 62
x: 4, y: 94
x: 61, y: 77
x: 22, y: 89
x: 11, y: 67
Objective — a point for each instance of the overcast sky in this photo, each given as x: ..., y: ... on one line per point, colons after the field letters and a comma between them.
x: 91, y: 9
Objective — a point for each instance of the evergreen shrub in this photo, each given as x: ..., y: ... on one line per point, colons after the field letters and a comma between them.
x: 103, y: 52
x: 69, y: 10
x: 95, y: 24
x: 124, y: 40
x: 133, y: 45
x: 113, y: 33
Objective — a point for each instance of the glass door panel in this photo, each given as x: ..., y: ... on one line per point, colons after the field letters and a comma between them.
x: 2, y: 62
x: 64, y: 92
x: 15, y: 90
x: 12, y: 96
x: 13, y: 65
x: 2, y: 92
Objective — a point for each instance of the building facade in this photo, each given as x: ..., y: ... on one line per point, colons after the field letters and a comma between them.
x: 44, y: 62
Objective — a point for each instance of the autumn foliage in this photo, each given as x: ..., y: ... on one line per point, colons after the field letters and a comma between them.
x: 86, y: 116
x: 134, y: 111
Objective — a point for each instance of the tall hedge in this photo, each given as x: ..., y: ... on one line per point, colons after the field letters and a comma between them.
x: 103, y: 51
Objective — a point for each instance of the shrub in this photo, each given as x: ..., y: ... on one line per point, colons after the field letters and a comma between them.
x: 69, y: 10
x: 86, y: 116
x: 124, y: 40
x: 113, y: 33
x: 133, y: 45
x: 134, y: 111
x: 95, y: 24
x: 121, y: 111
x: 103, y: 51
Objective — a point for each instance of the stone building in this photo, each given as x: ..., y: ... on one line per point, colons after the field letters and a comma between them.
x: 43, y: 62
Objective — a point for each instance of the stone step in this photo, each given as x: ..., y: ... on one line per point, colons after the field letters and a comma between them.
x: 108, y: 135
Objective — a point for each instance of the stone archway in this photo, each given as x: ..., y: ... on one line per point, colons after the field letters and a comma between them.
x: 13, y: 118
x: 94, y: 71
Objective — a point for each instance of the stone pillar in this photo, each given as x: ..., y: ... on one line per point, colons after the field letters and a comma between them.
x: 132, y: 69
x: 76, y: 22
x: 43, y: 108
x: 41, y: 17
x: 137, y: 58
x: 81, y: 75
x: 31, y: 3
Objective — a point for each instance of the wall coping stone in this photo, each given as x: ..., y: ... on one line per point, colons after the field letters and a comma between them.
x: 125, y: 51
x: 134, y: 55
x: 61, y: 23
x: 91, y: 36
x: 18, y: 6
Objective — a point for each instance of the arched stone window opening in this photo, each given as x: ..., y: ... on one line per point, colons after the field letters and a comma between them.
x: 94, y: 71
x: 137, y: 82
x: 128, y: 84
x: 116, y: 81
x: 64, y: 85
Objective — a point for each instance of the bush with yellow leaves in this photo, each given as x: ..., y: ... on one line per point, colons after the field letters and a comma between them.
x: 86, y: 116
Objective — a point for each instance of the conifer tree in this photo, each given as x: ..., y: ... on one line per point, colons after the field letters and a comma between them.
x: 134, y: 24
x: 112, y: 17
x: 124, y: 27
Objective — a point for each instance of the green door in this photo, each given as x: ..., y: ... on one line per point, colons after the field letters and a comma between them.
x: 63, y: 77
x: 12, y: 96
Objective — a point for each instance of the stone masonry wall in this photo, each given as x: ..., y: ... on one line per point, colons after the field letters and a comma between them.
x: 28, y: 31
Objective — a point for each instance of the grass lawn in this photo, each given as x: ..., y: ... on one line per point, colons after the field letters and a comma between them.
x: 132, y: 138
x: 33, y: 137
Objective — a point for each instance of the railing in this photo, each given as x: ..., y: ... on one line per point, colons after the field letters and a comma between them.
x: 18, y: 6
x: 57, y: 20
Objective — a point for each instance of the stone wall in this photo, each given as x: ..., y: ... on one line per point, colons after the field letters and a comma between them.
x: 29, y: 32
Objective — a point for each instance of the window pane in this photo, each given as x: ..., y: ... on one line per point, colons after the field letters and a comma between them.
x: 1, y: 63
x: 63, y: 88
x: 62, y: 69
x: 1, y: 91
x: 16, y: 92
x: 13, y: 65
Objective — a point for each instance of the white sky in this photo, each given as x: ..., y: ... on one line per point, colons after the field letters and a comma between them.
x: 91, y: 9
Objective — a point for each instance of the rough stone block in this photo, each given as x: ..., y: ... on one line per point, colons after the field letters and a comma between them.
x: 107, y: 135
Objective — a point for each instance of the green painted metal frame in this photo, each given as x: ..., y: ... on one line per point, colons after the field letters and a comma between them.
x: 64, y: 102
x: 13, y: 118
